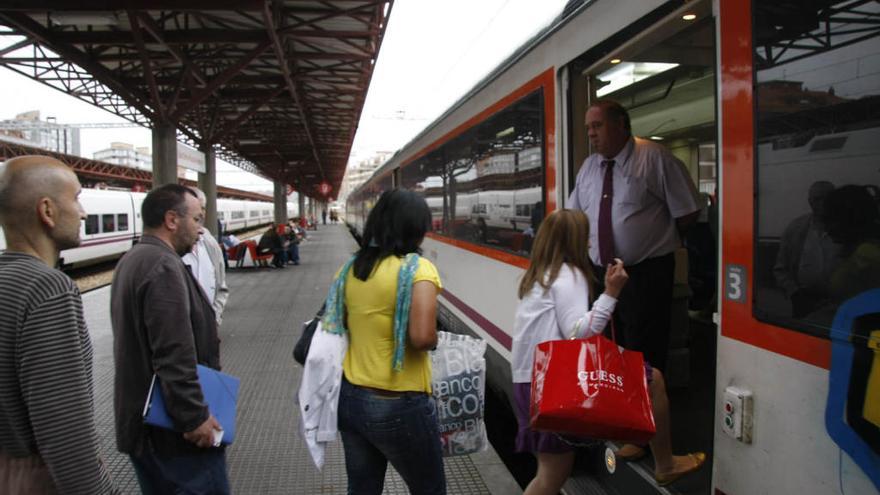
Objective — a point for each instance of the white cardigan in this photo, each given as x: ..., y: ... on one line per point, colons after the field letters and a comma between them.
x: 319, y: 391
x: 560, y: 312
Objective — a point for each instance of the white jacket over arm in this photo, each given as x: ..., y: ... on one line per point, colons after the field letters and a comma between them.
x: 560, y: 312
x: 319, y: 391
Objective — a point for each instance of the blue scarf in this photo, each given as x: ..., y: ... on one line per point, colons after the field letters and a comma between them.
x: 334, y: 316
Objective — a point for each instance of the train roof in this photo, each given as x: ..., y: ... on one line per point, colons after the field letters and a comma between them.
x: 571, y: 9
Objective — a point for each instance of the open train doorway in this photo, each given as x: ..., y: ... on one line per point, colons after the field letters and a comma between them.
x: 662, y: 69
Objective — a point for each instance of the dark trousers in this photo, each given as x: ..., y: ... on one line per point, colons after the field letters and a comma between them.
x: 200, y: 474
x: 644, y: 308
x: 398, y: 428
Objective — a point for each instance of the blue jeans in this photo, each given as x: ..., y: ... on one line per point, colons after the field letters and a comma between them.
x: 293, y: 253
x: 202, y: 474
x: 400, y: 428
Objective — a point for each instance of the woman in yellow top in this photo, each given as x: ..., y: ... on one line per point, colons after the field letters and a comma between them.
x: 386, y: 412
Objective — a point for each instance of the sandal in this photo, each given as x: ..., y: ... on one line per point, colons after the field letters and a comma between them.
x: 631, y: 452
x: 697, y: 457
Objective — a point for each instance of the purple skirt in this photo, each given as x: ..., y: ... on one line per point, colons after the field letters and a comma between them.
x: 529, y: 440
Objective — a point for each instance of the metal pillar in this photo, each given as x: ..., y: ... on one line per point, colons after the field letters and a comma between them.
x: 280, y: 202
x: 164, y: 155
x: 301, y: 200
x: 208, y: 185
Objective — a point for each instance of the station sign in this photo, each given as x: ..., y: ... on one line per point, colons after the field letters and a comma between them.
x: 190, y: 158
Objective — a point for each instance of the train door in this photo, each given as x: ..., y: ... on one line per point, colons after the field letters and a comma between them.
x: 663, y: 71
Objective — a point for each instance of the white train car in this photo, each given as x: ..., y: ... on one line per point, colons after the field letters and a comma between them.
x: 758, y: 98
x: 232, y: 214
x: 113, y: 224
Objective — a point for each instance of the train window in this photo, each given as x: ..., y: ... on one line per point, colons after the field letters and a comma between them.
x: 122, y: 221
x: 254, y: 213
x: 817, y: 87
x: 486, y: 185
x: 237, y: 215
x: 220, y: 215
x: 92, y: 226
x: 108, y: 223
x: 267, y: 213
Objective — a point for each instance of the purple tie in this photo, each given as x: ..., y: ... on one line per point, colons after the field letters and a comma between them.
x: 606, y: 232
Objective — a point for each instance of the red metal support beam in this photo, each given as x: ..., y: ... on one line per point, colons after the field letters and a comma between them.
x: 233, y: 125
x: 156, y: 32
x: 39, y: 33
x: 291, y: 85
x: 221, y: 79
x: 103, y: 171
x: 158, y: 105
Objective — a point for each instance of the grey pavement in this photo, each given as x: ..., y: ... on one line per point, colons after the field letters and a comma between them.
x: 261, y: 324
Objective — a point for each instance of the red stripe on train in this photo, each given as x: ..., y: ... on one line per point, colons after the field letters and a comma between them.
x: 498, y: 334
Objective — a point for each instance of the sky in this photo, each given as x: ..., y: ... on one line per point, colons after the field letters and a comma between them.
x: 432, y: 54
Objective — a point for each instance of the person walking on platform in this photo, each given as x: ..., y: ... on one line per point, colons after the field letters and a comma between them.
x: 163, y: 324
x: 48, y: 439
x: 207, y: 266
x: 642, y: 198
x: 386, y: 412
x: 555, y: 294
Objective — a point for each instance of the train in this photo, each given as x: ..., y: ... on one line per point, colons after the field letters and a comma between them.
x: 113, y: 223
x: 760, y: 99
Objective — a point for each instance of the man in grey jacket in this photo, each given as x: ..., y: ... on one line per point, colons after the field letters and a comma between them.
x: 206, y: 262
x: 164, y: 324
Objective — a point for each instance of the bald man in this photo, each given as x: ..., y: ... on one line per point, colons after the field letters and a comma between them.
x: 48, y: 439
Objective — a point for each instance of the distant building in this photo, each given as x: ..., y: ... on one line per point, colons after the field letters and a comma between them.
x: 27, y: 128
x: 126, y: 155
x: 361, y: 172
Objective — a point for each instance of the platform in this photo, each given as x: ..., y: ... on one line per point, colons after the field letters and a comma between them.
x: 260, y: 326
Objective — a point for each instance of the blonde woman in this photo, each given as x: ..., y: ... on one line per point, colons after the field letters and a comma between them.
x: 555, y: 295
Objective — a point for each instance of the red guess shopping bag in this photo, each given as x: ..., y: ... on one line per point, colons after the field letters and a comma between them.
x: 591, y: 388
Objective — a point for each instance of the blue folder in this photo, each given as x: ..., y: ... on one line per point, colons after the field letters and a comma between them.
x: 221, y: 395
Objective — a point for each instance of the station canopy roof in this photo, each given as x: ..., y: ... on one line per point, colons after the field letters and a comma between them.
x: 277, y: 86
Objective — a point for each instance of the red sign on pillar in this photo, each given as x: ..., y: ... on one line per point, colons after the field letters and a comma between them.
x: 324, y: 188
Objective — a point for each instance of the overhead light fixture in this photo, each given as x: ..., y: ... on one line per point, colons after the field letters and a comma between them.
x: 627, y: 73
x: 689, y: 17
x: 615, y: 60
x: 84, y: 18
x: 657, y: 138
x: 505, y: 132
x: 250, y: 141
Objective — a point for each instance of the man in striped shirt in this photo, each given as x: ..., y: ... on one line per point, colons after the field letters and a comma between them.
x: 48, y: 439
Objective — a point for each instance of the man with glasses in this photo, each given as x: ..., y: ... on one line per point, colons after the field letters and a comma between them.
x: 164, y: 324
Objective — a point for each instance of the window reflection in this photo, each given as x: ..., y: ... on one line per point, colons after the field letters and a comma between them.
x: 485, y: 186
x: 818, y: 152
